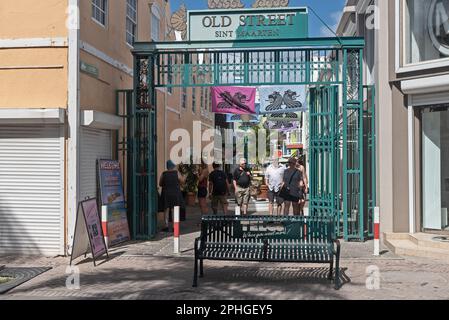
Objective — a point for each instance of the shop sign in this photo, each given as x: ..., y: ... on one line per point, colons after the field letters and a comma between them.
x: 111, y: 184
x: 248, y: 24
x: 118, y: 230
x: 89, y: 69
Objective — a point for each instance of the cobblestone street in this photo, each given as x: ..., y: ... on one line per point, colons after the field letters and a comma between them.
x: 149, y: 270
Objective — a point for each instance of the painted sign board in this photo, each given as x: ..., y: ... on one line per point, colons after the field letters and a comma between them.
x: 88, y: 232
x: 111, y: 184
x: 248, y: 24
x: 117, y: 224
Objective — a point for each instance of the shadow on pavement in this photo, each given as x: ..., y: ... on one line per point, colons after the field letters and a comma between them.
x: 169, y: 278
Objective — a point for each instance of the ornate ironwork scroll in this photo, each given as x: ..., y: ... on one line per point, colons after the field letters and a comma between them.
x: 225, y: 4
x: 270, y: 3
x: 353, y: 74
x: 142, y: 94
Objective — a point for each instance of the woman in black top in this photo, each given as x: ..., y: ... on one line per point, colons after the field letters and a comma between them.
x: 170, y: 182
x: 293, y: 180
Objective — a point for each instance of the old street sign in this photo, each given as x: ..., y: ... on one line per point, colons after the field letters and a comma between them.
x: 248, y: 24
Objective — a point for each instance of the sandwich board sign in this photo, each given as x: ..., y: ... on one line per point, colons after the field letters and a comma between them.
x: 115, y: 221
x: 117, y: 225
x: 88, y: 232
x: 111, y: 183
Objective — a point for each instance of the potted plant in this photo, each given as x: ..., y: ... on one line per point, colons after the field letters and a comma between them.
x: 190, y: 173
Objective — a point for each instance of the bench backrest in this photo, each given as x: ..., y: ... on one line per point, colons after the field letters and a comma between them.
x: 262, y: 228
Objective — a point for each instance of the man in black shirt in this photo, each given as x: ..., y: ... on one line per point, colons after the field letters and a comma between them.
x: 218, y: 189
x: 242, y: 183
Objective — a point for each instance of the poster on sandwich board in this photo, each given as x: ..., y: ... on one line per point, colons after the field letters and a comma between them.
x: 88, y: 236
x: 111, y: 183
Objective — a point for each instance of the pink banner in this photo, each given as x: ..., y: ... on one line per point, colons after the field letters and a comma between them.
x: 235, y: 100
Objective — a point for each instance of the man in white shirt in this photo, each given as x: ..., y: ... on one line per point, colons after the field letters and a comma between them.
x: 274, y: 177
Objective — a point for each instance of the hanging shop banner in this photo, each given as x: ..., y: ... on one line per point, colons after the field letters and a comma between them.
x: 240, y: 118
x: 234, y: 100
x: 111, y: 184
x: 248, y: 24
x: 281, y: 125
x: 88, y: 232
x: 282, y: 99
x: 118, y: 229
x: 291, y: 116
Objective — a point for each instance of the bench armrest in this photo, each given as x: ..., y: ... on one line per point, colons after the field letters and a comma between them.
x: 197, y: 241
x: 338, y: 246
x: 197, y: 245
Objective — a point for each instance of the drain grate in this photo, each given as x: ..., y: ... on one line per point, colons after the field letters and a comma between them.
x: 18, y: 276
x: 441, y: 239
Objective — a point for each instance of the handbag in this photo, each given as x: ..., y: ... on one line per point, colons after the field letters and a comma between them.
x: 285, y: 190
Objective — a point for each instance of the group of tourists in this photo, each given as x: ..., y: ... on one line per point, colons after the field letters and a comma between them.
x: 287, y: 187
x: 213, y: 185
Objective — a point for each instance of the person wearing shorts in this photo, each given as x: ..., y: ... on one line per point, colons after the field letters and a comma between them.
x: 305, y: 189
x: 293, y: 179
x: 242, y: 183
x: 274, y: 177
x: 218, y: 189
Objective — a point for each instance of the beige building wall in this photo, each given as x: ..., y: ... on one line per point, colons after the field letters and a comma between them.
x: 34, y: 77
x: 392, y: 129
x: 33, y: 19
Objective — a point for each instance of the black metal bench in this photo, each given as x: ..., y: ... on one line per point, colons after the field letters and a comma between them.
x: 268, y: 239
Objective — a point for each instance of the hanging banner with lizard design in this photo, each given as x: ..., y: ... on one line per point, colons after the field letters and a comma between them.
x: 234, y: 100
x: 282, y: 99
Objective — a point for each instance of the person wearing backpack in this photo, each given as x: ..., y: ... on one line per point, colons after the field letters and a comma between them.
x: 218, y: 189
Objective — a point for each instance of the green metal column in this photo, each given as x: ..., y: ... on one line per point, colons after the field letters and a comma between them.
x: 323, y: 156
x: 353, y: 146
x: 362, y: 155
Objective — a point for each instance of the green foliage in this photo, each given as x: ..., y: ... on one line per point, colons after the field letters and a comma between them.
x: 190, y: 172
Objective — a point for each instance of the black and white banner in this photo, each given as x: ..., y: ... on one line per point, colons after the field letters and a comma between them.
x: 282, y: 99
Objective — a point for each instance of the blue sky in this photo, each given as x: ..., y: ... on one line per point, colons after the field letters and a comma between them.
x: 328, y: 10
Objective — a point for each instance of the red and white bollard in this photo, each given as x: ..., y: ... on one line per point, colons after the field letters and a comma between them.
x: 376, y: 231
x: 104, y: 223
x: 177, y: 247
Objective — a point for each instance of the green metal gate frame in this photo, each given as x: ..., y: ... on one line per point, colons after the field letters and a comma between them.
x: 331, y: 67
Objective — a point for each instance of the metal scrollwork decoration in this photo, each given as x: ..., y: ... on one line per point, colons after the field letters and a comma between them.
x: 225, y: 4
x: 270, y: 3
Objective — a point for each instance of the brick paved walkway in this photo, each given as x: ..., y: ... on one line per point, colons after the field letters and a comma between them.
x: 149, y: 270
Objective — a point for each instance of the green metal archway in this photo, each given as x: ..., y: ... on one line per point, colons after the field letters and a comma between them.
x: 341, y: 137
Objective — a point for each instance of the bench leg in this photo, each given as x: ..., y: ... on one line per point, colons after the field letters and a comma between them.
x: 195, y: 273
x: 331, y: 271
x: 201, y: 269
x: 337, y: 273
